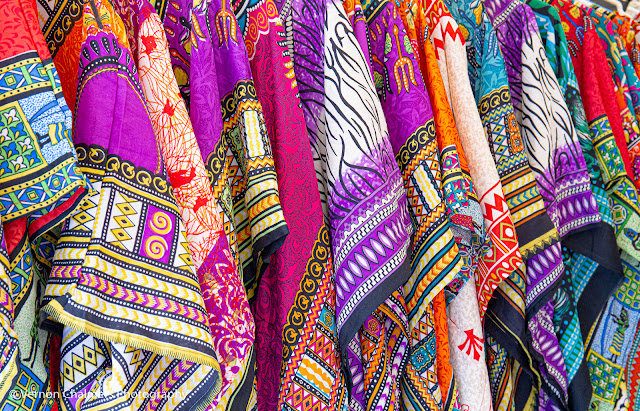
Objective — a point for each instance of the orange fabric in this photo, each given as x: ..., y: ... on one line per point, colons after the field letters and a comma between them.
x: 445, y: 371
x: 446, y: 131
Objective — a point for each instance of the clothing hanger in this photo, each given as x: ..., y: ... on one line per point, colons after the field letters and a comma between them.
x: 611, y: 5
x: 633, y: 9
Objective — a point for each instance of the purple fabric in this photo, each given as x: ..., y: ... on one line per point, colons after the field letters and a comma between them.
x: 129, y: 117
x: 360, y: 184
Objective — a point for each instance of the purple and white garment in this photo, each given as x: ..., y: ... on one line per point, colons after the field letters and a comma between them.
x: 557, y: 162
x: 361, y: 186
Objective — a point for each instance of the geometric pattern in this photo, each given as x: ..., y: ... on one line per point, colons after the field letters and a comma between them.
x: 127, y: 209
x: 22, y: 396
x: 434, y: 190
x: 558, y: 166
x: 96, y: 374
x: 605, y: 377
x: 228, y: 312
x: 535, y: 231
x: 38, y: 175
x: 500, y: 366
x: 311, y: 377
x: 134, y: 317
x: 239, y: 159
x: 126, y: 270
x: 30, y: 150
x: 502, y: 256
x: 613, y: 340
x: 246, y: 175
x: 499, y: 262
x: 432, y: 237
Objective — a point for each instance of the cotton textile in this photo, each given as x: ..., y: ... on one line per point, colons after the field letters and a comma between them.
x: 41, y: 186
x: 123, y: 256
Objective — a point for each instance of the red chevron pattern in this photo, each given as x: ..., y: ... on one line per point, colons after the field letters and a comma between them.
x: 502, y: 257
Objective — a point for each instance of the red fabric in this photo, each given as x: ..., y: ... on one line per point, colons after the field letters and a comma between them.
x: 20, y: 29
x: 594, y: 77
x: 299, y: 197
x: 55, y: 344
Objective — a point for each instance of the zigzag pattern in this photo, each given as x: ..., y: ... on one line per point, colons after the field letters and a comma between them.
x: 294, y: 363
x: 503, y: 257
x: 146, y: 300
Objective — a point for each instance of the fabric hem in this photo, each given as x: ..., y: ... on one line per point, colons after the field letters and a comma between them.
x: 602, y: 284
x: 589, y: 241
x: 206, y: 401
x: 367, y: 306
x: 57, y: 312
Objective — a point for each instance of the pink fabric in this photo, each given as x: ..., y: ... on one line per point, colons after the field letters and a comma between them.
x: 276, y: 88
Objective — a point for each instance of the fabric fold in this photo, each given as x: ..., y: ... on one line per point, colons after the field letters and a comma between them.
x: 41, y: 185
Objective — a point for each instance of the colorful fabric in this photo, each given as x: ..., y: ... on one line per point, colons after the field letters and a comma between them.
x: 434, y: 263
x: 539, y: 238
x: 61, y: 25
x: 123, y: 255
x: 230, y: 318
x: 625, y: 79
x: 625, y: 39
x: 462, y: 204
x: 590, y: 291
x: 603, y: 118
x: 377, y: 354
x: 554, y: 153
x: 310, y: 345
x: 465, y: 328
x: 234, y: 144
x: 434, y: 259
x: 231, y: 131
x: 586, y: 50
x: 41, y: 185
x: 615, y: 338
x: 503, y: 257
x: 363, y: 279
x: 303, y: 259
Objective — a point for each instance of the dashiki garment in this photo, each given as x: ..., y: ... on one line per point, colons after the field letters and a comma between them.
x: 556, y: 159
x: 355, y: 12
x: 234, y: 143
x: 354, y: 166
x: 463, y: 210
x: 123, y: 284
x: 462, y: 204
x: 502, y: 257
x: 300, y: 270
x: 619, y: 320
x: 369, y: 253
x: 413, y: 136
x: 223, y: 292
x: 41, y: 185
x: 586, y: 50
x: 236, y: 149
x: 581, y: 298
x: 377, y: 355
x: 520, y: 293
x: 603, y: 118
x: 625, y: 79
